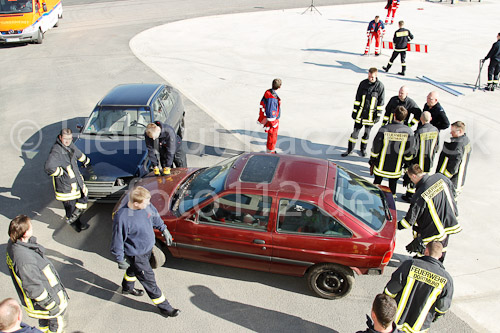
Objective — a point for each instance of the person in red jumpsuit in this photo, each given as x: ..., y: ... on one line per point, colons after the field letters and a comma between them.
x: 376, y: 29
x: 392, y: 6
x: 269, y: 115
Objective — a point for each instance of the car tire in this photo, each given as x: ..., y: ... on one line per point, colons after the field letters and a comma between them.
x: 331, y: 281
x: 157, y: 258
x: 182, y: 128
x: 39, y: 38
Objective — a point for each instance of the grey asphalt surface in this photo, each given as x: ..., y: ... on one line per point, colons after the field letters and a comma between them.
x: 46, y: 87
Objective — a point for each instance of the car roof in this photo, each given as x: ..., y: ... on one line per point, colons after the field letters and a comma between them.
x: 136, y: 94
x: 281, y: 172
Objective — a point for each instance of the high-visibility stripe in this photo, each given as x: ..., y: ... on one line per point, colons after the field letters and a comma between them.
x: 60, y: 324
x: 388, y: 293
x: 51, y: 277
x: 382, y: 153
x: 364, y: 140
x: 439, y: 311
x: 58, y: 172
x: 461, y: 169
x: 71, y: 173
x: 42, y: 296
x: 353, y: 140
x: 80, y: 205
x: 404, y: 298
x: 386, y: 174
x: 158, y: 300
x: 423, y: 314
x: 372, y: 154
x: 405, y: 224
x: 51, y: 305
x: 360, y: 110
x: 444, y: 165
x: 129, y: 278
x: 82, y: 158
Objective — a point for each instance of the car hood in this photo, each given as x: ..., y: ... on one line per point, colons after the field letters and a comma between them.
x: 113, y: 157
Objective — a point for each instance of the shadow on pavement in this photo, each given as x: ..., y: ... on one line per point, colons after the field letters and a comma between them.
x: 343, y: 65
x: 333, y: 51
x: 251, y: 317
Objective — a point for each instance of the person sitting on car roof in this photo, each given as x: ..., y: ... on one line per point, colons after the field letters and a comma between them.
x: 162, y: 140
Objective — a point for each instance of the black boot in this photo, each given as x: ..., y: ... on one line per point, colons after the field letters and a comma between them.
x: 350, y: 148
x: 386, y: 68
x: 489, y: 87
x: 362, y: 151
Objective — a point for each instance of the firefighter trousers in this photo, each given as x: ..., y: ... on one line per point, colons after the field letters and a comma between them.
x: 403, y: 59
x: 140, y: 269
x: 355, y: 135
x: 393, y: 182
x: 71, y: 205
x: 493, y: 72
x: 54, y: 325
x: 179, y: 158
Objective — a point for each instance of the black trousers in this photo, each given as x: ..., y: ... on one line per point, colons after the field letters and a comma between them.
x: 53, y: 325
x: 140, y: 269
x: 355, y: 135
x: 71, y: 205
x: 393, y: 182
x: 179, y: 158
x: 493, y: 71
x: 403, y: 58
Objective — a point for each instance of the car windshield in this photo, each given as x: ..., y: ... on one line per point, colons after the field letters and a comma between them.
x: 118, y: 121
x: 16, y: 6
x: 204, y: 185
x: 360, y: 198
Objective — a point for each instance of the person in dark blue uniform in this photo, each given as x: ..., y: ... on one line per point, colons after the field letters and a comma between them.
x: 132, y: 242
x: 162, y: 140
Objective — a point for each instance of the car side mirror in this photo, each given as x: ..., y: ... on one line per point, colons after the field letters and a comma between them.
x: 44, y: 6
x: 79, y: 127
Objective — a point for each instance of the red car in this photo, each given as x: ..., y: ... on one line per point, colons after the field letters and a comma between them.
x: 284, y: 214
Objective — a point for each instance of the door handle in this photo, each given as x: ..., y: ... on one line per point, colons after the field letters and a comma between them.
x: 259, y: 241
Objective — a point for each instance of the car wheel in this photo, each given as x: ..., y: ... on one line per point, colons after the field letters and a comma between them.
x: 331, y: 281
x: 182, y: 129
x: 39, y: 38
x: 158, y: 258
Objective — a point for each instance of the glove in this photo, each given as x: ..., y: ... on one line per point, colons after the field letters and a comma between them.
x: 55, y: 310
x: 123, y: 264
x: 86, y: 163
x: 417, y: 246
x: 156, y: 171
x: 406, y: 180
x: 168, y: 237
x: 166, y: 171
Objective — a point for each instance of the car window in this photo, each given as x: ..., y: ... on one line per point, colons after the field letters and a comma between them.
x: 120, y: 121
x: 159, y: 111
x: 360, y: 198
x: 163, y: 106
x: 238, y: 210
x: 305, y: 218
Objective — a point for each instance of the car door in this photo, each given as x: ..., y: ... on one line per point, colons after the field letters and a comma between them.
x: 231, y: 230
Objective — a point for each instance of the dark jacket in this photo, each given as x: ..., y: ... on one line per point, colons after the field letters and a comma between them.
x: 433, y: 209
x: 371, y: 329
x: 494, y: 54
x: 133, y: 232
x: 454, y: 159
x: 392, y: 146
x: 36, y: 280
x: 409, y: 104
x: 167, y: 143
x: 439, y: 118
x: 401, y: 39
x: 369, y: 101
x: 25, y: 328
x: 423, y: 290
x: 62, y: 165
x: 426, y: 146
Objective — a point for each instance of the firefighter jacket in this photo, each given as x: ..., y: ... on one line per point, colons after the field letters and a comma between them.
x: 433, y: 209
x: 426, y: 146
x: 423, y: 290
x: 168, y: 140
x: 62, y: 165
x: 369, y: 101
x: 439, y: 118
x: 494, y: 54
x: 409, y: 104
x: 454, y: 159
x: 133, y: 232
x: 270, y: 109
x: 376, y: 28
x: 401, y: 39
x: 36, y: 280
x: 393, y: 4
x: 392, y: 146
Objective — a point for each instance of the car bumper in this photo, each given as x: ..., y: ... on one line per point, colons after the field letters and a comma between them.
x: 18, y: 38
x: 104, y: 191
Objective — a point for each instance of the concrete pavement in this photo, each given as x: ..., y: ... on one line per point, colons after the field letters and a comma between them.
x: 225, y: 63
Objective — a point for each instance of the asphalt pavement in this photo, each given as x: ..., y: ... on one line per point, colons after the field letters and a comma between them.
x: 46, y: 87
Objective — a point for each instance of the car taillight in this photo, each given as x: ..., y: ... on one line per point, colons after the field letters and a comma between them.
x: 387, y: 257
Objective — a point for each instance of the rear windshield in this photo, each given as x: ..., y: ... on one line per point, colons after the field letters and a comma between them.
x: 260, y: 169
x: 360, y: 198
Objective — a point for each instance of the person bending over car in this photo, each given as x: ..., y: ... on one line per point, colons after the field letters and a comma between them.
x: 162, y: 140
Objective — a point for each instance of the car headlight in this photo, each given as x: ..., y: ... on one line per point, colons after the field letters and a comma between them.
x: 123, y: 181
x: 29, y: 29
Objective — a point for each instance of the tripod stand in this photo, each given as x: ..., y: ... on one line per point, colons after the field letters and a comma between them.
x: 311, y: 7
x: 478, y: 81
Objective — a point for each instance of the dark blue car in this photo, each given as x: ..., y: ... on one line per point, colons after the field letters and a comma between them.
x: 113, y: 136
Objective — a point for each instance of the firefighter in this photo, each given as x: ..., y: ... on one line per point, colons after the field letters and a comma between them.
x: 401, y: 39
x: 392, y: 146
x: 409, y: 104
x: 35, y: 278
x: 423, y: 290
x: 376, y: 29
x: 132, y: 242
x: 426, y: 146
x: 269, y: 115
x: 382, y: 316
x: 392, y: 6
x: 367, y: 110
x: 433, y: 210
x: 494, y: 66
x: 439, y: 118
x: 162, y: 140
x: 455, y: 155
x: 62, y: 165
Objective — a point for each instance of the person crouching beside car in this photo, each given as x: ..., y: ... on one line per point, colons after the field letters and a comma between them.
x: 162, y: 140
